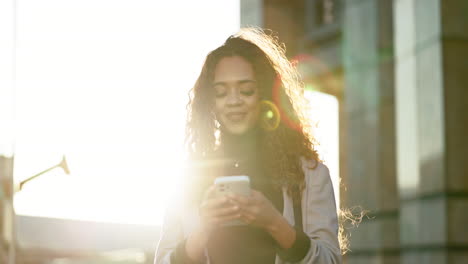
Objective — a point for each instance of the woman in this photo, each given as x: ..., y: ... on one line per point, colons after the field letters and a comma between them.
x: 246, y: 117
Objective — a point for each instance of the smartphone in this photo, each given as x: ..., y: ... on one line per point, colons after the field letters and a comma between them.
x: 233, y: 184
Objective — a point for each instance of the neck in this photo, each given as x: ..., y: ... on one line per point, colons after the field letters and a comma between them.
x: 239, y: 146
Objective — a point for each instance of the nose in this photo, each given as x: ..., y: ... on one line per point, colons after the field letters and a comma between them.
x: 233, y: 98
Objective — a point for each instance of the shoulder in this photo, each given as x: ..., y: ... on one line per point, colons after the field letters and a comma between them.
x: 315, y: 172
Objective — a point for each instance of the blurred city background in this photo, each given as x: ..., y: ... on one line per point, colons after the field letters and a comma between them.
x: 92, y: 111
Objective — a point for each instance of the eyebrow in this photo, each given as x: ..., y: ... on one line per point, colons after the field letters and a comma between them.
x: 237, y: 82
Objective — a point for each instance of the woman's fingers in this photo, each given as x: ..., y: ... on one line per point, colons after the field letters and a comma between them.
x: 226, y: 211
x: 223, y: 219
x: 240, y: 199
x: 215, y: 211
x: 218, y: 202
x: 212, y: 204
x: 221, y: 206
x: 250, y: 209
x: 209, y: 193
x: 248, y: 204
x: 218, y: 216
x: 247, y: 217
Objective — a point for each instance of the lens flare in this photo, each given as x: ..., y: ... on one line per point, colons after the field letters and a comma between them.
x: 270, y: 117
x: 283, y: 105
x: 269, y: 114
x: 317, y: 77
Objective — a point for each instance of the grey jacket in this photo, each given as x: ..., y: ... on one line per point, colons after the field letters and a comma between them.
x: 319, y: 219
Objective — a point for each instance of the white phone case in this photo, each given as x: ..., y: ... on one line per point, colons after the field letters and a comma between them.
x: 235, y: 184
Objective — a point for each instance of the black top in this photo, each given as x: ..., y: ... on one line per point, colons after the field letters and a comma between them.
x: 246, y: 244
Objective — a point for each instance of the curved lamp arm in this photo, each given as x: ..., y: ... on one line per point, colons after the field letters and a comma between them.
x: 63, y: 164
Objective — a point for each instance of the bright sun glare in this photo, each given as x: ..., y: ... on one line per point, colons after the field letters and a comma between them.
x: 105, y: 83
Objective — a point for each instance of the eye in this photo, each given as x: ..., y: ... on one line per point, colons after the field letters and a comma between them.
x: 220, y: 95
x: 248, y: 89
x: 220, y: 91
x: 248, y: 93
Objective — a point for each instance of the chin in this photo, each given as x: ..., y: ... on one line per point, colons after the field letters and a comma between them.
x: 236, y: 131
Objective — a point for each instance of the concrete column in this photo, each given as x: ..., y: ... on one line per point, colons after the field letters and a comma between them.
x: 431, y: 43
x: 369, y: 107
x: 251, y: 13
x: 286, y: 18
x: 7, y: 79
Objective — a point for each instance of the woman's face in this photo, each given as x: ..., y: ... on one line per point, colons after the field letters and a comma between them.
x: 237, y: 97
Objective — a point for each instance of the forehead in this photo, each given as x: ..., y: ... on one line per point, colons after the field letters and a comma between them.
x: 232, y: 69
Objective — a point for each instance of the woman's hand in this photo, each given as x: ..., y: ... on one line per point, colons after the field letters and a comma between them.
x: 215, y: 211
x: 256, y: 209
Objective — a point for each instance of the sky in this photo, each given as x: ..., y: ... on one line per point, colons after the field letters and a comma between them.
x: 105, y: 83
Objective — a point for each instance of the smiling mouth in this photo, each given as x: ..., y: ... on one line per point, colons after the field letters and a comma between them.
x: 236, y: 117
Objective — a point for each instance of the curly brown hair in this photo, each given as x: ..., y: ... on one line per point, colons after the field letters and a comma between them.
x: 282, y: 148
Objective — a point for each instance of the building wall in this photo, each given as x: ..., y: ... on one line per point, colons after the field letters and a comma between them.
x: 399, y: 76
x: 431, y: 73
x: 7, y: 239
x: 370, y: 107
